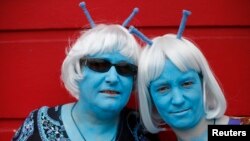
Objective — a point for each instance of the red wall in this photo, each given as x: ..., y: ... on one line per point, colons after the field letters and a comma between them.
x: 34, y: 34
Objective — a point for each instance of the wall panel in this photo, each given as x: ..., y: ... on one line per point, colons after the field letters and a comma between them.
x: 34, y: 35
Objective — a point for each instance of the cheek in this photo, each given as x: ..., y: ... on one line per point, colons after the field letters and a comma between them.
x: 163, y: 103
x: 90, y: 81
x: 155, y: 97
x: 127, y: 82
x: 197, y: 94
x: 160, y: 101
x: 92, y: 76
x: 196, y: 98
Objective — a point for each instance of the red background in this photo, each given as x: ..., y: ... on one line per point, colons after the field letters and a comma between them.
x: 34, y: 35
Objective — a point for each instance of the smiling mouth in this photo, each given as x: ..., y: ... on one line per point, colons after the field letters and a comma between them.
x: 110, y: 92
x: 181, y: 111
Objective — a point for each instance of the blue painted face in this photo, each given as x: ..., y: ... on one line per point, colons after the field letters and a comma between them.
x: 105, y: 91
x: 178, y: 97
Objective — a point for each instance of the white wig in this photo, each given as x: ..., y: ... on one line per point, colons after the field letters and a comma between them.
x: 185, y: 55
x: 100, y: 39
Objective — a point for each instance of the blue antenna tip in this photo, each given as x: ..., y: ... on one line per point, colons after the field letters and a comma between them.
x: 186, y: 12
x: 136, y: 10
x: 82, y: 4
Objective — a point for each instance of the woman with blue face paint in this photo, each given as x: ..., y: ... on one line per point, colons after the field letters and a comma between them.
x: 180, y: 89
x: 177, y: 87
x: 100, y: 72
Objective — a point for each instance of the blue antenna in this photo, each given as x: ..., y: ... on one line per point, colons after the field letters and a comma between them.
x: 186, y: 13
x: 86, y: 12
x: 136, y: 32
x: 131, y: 16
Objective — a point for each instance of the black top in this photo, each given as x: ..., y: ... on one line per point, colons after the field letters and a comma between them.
x: 45, y: 124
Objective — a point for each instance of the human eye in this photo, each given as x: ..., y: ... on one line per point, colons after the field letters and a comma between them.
x: 163, y: 89
x: 187, y: 84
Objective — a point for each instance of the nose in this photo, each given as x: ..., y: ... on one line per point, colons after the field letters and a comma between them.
x: 112, y: 76
x: 177, y: 97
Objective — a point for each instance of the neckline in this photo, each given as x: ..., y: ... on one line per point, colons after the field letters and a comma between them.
x: 71, y: 131
x: 73, y: 119
x: 78, y: 129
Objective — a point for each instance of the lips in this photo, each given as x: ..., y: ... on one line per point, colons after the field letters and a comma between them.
x: 110, y: 92
x: 179, y: 111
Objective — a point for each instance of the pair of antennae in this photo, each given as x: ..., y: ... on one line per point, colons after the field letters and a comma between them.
x: 92, y: 23
x: 139, y: 34
x: 135, y: 31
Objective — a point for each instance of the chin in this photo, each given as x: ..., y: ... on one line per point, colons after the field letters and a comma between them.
x: 110, y: 108
x: 184, y: 125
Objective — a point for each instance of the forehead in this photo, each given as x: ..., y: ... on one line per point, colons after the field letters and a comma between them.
x: 113, y: 57
x: 171, y: 72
